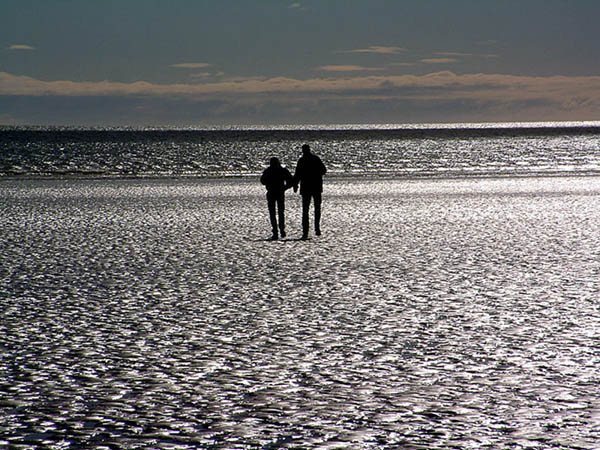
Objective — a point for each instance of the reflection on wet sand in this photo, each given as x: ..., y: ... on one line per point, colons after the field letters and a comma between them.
x: 429, y: 314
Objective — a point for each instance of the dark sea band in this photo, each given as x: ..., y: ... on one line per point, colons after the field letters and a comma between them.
x: 405, y: 151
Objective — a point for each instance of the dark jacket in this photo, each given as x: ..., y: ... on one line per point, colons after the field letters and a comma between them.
x: 309, y: 173
x: 276, y: 179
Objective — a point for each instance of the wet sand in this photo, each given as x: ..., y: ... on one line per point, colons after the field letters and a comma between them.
x: 429, y: 314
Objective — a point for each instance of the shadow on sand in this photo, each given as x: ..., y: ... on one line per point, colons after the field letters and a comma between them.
x: 282, y: 240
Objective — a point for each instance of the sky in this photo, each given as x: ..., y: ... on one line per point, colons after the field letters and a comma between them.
x: 188, y: 63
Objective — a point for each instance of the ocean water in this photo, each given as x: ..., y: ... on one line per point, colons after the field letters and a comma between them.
x: 446, y: 311
x: 453, y: 150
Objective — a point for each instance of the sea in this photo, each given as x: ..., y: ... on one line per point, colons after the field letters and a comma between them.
x: 451, y: 302
x: 417, y: 150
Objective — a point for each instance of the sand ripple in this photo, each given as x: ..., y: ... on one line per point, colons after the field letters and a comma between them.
x: 445, y: 314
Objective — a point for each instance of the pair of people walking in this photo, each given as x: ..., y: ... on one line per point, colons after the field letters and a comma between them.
x: 277, y: 179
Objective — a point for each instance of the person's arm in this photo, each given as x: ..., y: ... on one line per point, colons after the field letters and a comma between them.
x: 288, y: 179
x: 297, y: 173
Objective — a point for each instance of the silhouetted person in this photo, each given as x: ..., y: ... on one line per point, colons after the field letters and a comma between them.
x: 276, y: 179
x: 309, y: 173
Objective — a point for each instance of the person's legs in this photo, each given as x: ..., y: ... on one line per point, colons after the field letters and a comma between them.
x: 318, y: 214
x: 305, y: 221
x: 272, y: 215
x: 281, y: 211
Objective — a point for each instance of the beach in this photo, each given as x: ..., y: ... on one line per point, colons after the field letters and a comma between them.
x: 431, y: 313
x: 436, y: 285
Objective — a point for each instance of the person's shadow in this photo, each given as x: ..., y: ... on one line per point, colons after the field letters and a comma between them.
x: 282, y: 240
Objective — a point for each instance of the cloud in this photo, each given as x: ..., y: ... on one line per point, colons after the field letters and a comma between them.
x: 453, y: 54
x: 439, y: 60
x: 348, y: 68
x: 442, y: 84
x: 191, y: 65
x: 489, y: 42
x: 295, y: 6
x: 21, y: 47
x: 484, y: 96
x: 201, y: 75
x: 378, y: 49
x: 204, y: 75
x: 243, y: 79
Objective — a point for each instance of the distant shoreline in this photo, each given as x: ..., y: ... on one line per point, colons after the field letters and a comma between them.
x: 65, y: 135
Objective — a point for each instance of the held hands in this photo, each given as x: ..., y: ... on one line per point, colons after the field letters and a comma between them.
x: 291, y: 185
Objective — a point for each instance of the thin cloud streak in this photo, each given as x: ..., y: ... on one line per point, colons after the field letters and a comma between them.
x: 21, y: 47
x: 439, y: 60
x: 489, y: 42
x: 202, y: 75
x: 378, y: 49
x: 348, y: 68
x: 191, y: 65
x: 453, y: 54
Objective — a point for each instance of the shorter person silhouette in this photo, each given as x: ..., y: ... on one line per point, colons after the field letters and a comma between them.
x: 309, y: 173
x: 276, y: 179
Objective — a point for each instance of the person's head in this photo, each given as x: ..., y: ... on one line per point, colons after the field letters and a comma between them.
x: 274, y: 162
x: 306, y: 149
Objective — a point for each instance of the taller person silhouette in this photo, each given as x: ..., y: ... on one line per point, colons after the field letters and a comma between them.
x: 309, y: 174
